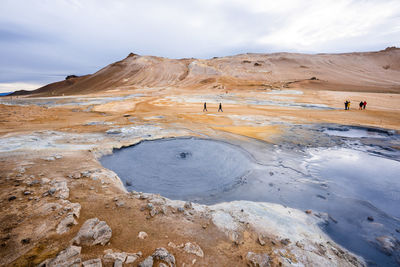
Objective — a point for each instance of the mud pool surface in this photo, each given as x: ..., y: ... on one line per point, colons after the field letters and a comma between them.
x: 354, y: 177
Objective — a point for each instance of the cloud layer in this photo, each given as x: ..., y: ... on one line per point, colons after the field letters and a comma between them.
x: 42, y: 41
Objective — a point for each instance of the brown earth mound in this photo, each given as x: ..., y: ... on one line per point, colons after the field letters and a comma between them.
x: 368, y: 71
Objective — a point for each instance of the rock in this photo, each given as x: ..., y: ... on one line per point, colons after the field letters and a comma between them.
x: 188, y: 205
x: 93, y: 232
x: 150, y: 206
x: 65, y: 224
x: 74, y: 208
x: 370, y: 218
x: 261, y: 240
x: 162, y: 265
x: 163, y: 255
x: 12, y: 198
x: 68, y: 257
x: 50, y: 158
x: 257, y: 260
x: 26, y: 193
x: 142, y: 235
x: 120, y: 203
x: 193, y: 248
x: 132, y: 257
x: 285, y: 241
x: 153, y: 212
x: 92, y: 263
x: 75, y: 175
x: 60, y: 189
x: 115, y: 257
x: 180, y: 209
x: 26, y: 241
x: 308, y: 211
x: 148, y: 262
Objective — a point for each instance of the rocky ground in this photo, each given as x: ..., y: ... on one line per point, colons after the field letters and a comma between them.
x: 60, y: 207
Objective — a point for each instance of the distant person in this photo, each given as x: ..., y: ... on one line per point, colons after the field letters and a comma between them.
x: 205, y: 107
x: 220, y: 108
x: 364, y: 104
x: 361, y: 105
x: 346, y: 104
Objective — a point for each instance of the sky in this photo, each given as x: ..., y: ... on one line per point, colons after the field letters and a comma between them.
x: 42, y: 41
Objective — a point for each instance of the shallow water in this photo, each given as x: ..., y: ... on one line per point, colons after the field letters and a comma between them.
x: 346, y: 184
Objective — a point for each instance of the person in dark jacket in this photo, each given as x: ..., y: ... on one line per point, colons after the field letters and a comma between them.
x: 205, y: 107
x: 220, y: 108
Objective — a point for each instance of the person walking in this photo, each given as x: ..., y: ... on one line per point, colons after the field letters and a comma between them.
x: 361, y: 105
x: 205, y: 107
x: 364, y: 104
x: 346, y: 103
x: 220, y: 108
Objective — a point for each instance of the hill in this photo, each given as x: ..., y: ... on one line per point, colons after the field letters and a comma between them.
x: 366, y: 71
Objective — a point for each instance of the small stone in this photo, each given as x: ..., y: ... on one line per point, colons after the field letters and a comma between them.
x: 142, y: 235
x: 193, y: 248
x: 261, y: 240
x: 131, y: 258
x: 370, y: 218
x: 257, y: 260
x: 120, y: 203
x: 285, y: 241
x: 398, y: 230
x: 149, y: 206
x: 188, y: 205
x: 148, y: 262
x: 26, y: 193
x: 12, y: 198
x: 153, y: 212
x: 26, y: 241
x: 92, y: 263
x: 308, y: 211
x: 180, y: 209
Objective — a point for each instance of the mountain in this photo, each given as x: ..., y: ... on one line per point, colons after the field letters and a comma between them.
x: 365, y: 71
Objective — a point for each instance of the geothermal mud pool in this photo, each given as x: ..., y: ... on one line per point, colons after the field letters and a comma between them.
x: 352, y: 183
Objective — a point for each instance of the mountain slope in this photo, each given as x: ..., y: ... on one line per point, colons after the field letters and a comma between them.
x: 368, y: 71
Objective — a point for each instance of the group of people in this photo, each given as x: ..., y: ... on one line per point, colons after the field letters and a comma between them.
x: 362, y: 104
x: 219, y: 108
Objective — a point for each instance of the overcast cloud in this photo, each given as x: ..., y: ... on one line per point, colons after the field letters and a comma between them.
x: 42, y: 41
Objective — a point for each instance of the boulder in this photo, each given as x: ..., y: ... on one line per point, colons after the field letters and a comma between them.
x: 68, y: 257
x: 257, y: 260
x: 93, y: 232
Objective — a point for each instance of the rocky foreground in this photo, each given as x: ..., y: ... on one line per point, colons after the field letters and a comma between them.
x: 61, y: 208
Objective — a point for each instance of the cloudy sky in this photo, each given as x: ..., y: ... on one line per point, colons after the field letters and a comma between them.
x: 42, y: 41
